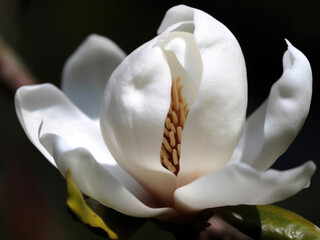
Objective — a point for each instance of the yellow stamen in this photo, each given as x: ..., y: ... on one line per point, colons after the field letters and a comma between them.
x: 175, y: 157
x: 168, y: 122
x: 172, y: 139
x: 174, y: 117
x: 179, y: 133
x: 172, y: 134
x: 164, y: 153
x: 166, y: 145
x: 179, y: 149
x: 166, y: 132
x: 172, y: 128
x: 168, y: 164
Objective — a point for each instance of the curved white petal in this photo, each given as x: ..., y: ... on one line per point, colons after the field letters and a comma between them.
x: 217, y: 115
x: 184, y: 61
x: 87, y: 71
x: 240, y: 184
x: 133, y: 112
x: 96, y: 182
x: 272, y: 127
x: 174, y: 15
x: 46, y: 107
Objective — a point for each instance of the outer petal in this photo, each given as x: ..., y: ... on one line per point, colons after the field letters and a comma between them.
x: 217, y: 115
x: 133, y: 112
x: 272, y: 127
x: 95, y: 181
x: 47, y: 105
x: 87, y: 71
x: 240, y: 184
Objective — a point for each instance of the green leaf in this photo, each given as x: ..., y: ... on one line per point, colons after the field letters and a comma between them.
x: 268, y: 222
x: 83, y: 213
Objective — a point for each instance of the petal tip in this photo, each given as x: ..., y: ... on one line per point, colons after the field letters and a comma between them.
x: 93, y: 37
x: 296, y: 54
x: 288, y: 43
x: 175, y: 14
x: 97, y: 41
x: 23, y: 91
x: 310, y: 167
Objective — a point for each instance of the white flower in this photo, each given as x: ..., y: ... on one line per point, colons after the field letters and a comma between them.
x: 130, y: 161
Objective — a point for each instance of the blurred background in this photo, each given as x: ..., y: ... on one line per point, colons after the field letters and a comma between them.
x: 45, y: 33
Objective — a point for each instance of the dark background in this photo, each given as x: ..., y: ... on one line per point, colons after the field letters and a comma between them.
x: 45, y: 33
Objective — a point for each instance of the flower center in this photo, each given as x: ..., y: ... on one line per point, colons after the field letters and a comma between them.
x: 176, y: 118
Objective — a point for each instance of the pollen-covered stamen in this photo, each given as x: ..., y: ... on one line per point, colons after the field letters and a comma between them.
x: 172, y: 134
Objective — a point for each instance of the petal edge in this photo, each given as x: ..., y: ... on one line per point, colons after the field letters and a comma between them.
x: 241, y: 184
x: 273, y: 126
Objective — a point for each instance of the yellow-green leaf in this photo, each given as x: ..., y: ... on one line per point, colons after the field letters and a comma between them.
x: 268, y: 222
x: 82, y: 212
x: 124, y: 226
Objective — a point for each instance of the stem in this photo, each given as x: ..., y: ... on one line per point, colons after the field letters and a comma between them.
x: 13, y: 73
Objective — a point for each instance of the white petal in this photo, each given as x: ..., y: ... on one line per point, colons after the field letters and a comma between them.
x: 240, y: 184
x: 217, y: 115
x: 87, y: 71
x: 174, y: 15
x: 95, y: 181
x: 46, y: 107
x: 272, y: 127
x: 46, y: 103
x: 184, y: 61
x: 133, y: 112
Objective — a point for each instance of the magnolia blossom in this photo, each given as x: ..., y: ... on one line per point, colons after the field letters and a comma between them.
x: 162, y: 132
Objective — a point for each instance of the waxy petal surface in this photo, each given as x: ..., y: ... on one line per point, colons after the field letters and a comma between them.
x: 87, y: 71
x: 273, y: 126
x: 241, y: 184
x: 133, y: 112
x: 45, y: 107
x: 217, y: 115
x: 97, y: 182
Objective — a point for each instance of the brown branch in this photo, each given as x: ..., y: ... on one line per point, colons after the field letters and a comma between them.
x: 13, y: 73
